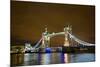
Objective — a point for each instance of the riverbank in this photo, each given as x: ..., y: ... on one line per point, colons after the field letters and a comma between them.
x: 85, y: 49
x: 78, y: 49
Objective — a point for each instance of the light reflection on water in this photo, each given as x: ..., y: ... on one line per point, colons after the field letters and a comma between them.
x: 45, y: 58
x: 82, y: 57
x: 50, y: 58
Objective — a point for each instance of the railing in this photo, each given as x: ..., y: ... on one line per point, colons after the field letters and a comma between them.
x: 80, y: 41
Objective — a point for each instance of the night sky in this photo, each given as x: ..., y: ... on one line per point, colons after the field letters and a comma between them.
x: 28, y: 20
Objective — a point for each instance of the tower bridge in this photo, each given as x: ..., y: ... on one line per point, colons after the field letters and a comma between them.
x: 46, y: 36
x: 69, y: 37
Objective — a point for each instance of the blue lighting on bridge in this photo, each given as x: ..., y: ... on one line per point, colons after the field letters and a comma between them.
x: 48, y: 50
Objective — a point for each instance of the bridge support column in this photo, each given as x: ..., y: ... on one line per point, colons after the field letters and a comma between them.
x: 66, y: 43
x: 46, y: 39
x: 46, y: 42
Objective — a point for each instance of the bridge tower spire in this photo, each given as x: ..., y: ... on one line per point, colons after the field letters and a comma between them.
x: 45, y: 39
x: 66, y: 30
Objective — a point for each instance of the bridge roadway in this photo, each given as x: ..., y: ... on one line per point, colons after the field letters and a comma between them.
x: 55, y: 34
x: 71, y: 36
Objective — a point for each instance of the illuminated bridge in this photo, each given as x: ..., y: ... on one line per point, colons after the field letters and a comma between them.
x: 69, y: 37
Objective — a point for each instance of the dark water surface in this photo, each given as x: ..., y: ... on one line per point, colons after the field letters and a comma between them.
x: 50, y: 58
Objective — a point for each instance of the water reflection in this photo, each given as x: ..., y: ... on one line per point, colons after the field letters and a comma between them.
x: 67, y: 58
x: 45, y: 58
x: 31, y: 59
x: 17, y: 59
x: 82, y: 57
x: 50, y: 58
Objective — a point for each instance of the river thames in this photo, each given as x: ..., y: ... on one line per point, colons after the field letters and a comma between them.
x: 50, y: 58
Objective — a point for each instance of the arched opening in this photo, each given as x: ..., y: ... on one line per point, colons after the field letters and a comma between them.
x: 57, y: 41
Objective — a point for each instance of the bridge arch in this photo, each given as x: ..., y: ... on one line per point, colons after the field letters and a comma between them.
x: 47, y: 37
x: 58, y: 39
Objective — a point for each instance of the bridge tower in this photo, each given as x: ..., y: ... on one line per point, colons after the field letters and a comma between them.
x: 46, y: 39
x: 66, y: 30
